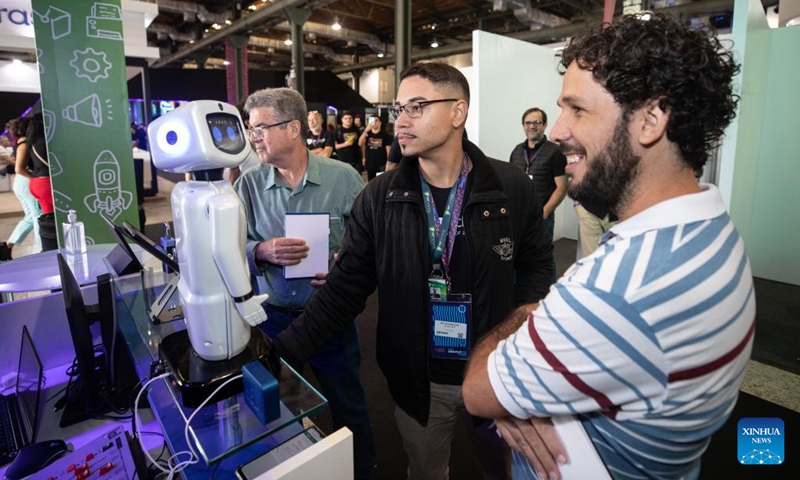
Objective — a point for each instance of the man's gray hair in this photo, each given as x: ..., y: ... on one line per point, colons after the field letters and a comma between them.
x: 287, y: 103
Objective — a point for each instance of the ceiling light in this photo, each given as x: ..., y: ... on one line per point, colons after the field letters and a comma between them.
x: 252, y: 7
x: 17, y: 61
x: 216, y: 26
x: 288, y: 41
x: 225, y: 62
x: 336, y: 25
x: 380, y: 55
x: 228, y: 22
x: 434, y: 44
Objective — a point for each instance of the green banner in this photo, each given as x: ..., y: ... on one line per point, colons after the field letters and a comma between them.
x: 81, y: 58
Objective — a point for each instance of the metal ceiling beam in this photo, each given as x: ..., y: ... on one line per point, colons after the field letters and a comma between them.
x: 243, y: 25
x: 695, y: 8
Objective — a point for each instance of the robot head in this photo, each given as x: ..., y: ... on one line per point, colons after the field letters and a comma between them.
x: 199, y: 135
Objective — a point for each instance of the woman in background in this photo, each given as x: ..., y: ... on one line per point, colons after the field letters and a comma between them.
x: 40, y: 180
x: 30, y: 206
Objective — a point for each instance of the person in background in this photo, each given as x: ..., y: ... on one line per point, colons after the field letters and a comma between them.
x: 593, y: 223
x: 347, y: 142
x: 541, y: 160
x: 488, y: 253
x: 318, y: 139
x: 375, y: 145
x: 293, y: 180
x: 36, y: 160
x: 30, y: 207
x: 647, y: 340
x: 358, y: 121
x: 6, y: 158
x: 138, y: 137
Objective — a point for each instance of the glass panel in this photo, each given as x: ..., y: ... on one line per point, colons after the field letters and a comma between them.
x: 218, y: 429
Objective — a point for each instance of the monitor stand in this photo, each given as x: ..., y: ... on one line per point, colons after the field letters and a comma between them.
x: 198, y: 378
x: 161, y: 312
x: 79, y: 408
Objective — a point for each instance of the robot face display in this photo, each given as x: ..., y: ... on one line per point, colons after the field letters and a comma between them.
x: 199, y: 135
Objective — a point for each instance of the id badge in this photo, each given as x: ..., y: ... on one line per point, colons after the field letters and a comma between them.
x: 437, y: 287
x: 450, y: 327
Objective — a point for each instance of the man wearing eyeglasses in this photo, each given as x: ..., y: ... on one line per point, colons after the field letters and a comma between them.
x: 542, y: 161
x: 291, y: 179
x: 453, y: 241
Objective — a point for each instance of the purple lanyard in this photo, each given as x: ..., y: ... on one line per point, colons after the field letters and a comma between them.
x: 442, y: 249
x: 528, y: 161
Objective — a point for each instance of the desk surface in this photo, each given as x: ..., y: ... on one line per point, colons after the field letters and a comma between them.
x: 40, y: 271
x: 225, y: 429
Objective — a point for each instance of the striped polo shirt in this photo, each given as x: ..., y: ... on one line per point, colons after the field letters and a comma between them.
x: 646, y: 340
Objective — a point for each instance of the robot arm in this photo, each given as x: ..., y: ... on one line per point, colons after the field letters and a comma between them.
x: 225, y: 213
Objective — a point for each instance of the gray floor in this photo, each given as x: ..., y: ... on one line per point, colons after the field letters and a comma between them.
x: 762, y: 380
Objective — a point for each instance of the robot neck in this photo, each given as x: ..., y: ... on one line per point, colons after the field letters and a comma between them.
x: 212, y: 175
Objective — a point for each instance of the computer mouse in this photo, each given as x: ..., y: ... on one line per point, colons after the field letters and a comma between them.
x: 35, y: 457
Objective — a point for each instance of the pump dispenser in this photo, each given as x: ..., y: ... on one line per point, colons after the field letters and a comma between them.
x: 74, y: 234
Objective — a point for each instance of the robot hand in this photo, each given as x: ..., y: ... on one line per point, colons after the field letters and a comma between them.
x: 251, y: 309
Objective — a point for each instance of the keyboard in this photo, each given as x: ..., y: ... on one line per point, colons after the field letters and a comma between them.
x: 8, y: 444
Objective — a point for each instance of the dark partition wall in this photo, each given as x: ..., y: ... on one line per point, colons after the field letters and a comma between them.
x: 322, y: 87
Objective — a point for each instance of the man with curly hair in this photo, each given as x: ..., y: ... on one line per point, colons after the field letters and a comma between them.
x: 646, y: 340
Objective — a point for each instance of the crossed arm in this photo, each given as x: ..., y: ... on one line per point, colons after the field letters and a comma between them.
x: 535, y: 437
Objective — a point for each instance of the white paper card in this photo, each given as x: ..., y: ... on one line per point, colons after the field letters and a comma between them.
x: 584, y: 461
x: 314, y: 228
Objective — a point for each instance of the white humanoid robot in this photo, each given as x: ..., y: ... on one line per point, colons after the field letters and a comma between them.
x: 214, y: 286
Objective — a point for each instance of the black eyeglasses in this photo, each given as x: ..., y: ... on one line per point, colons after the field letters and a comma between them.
x: 537, y: 123
x: 414, y: 109
x: 257, y: 132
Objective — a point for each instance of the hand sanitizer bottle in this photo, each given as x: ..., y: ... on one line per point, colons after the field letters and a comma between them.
x: 74, y: 234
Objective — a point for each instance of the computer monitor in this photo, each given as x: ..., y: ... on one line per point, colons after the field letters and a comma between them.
x: 29, y: 384
x: 84, y: 391
x: 121, y: 258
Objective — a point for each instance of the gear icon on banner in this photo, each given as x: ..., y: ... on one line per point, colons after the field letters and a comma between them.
x: 90, y: 64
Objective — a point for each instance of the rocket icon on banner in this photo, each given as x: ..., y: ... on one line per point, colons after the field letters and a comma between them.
x: 108, y: 196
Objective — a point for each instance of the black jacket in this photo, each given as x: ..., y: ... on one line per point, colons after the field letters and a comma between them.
x: 386, y: 245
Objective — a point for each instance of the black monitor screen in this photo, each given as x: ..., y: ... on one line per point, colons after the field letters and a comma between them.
x: 29, y: 380
x: 226, y: 132
x: 84, y: 394
x: 148, y: 245
x: 122, y: 259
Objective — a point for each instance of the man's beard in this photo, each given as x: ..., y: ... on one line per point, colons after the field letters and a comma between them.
x: 610, y: 177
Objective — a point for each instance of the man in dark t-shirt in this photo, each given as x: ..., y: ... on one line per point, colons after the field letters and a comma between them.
x: 347, y: 142
x: 375, y: 145
x: 544, y: 163
x: 318, y: 139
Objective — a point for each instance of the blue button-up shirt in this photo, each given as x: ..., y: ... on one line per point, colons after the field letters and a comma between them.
x: 328, y: 186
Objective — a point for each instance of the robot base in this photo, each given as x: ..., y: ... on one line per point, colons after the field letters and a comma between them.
x: 198, y: 378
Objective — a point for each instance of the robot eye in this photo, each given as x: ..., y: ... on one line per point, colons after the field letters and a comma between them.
x: 172, y: 137
x: 217, y: 133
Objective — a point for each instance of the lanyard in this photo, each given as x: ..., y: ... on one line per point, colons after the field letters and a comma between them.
x: 442, y: 239
x: 528, y: 161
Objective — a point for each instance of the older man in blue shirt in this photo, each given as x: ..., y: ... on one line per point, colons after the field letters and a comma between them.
x: 291, y: 179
